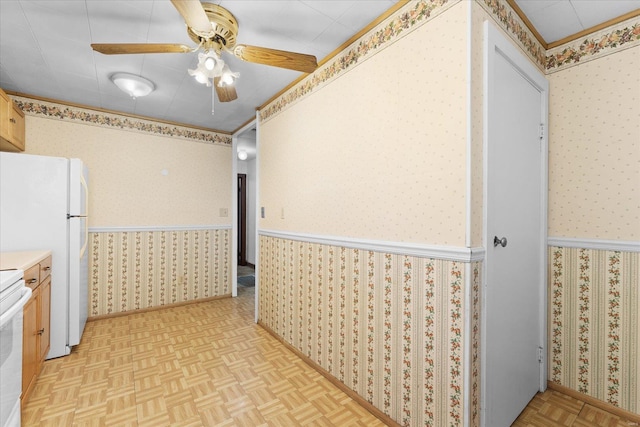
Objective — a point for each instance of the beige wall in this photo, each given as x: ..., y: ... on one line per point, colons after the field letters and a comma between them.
x: 343, y: 158
x: 378, y: 153
x: 127, y: 187
x: 138, y: 269
x: 594, y: 155
x: 594, y: 193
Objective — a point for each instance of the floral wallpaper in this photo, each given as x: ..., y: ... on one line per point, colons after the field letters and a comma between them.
x: 388, y: 326
x: 142, y: 269
x: 476, y: 339
x: 594, y: 323
x: 98, y: 118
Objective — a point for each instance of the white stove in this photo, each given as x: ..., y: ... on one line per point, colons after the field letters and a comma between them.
x: 9, y: 287
x: 13, y: 296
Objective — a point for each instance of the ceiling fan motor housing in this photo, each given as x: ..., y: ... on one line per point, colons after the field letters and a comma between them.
x: 224, y: 27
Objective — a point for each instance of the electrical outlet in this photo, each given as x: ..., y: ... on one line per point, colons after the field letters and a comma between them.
x: 262, y: 212
x: 224, y: 212
x: 281, y: 213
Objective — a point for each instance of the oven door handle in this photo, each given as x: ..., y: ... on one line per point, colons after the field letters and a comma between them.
x: 15, y: 308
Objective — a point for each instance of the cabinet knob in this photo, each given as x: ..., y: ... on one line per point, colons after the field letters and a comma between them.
x: 47, y: 268
x: 32, y: 281
x: 12, y: 120
x: 41, y: 331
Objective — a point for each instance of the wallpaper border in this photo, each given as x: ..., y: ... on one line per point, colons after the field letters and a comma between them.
x: 88, y: 116
x: 448, y: 253
x: 612, y: 39
x: 129, y: 229
x: 597, y: 244
x: 509, y: 21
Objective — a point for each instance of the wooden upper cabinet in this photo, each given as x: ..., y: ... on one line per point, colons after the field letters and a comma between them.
x: 12, y: 133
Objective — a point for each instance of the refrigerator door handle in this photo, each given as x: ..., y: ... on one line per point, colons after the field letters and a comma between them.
x: 86, y: 212
x: 86, y: 238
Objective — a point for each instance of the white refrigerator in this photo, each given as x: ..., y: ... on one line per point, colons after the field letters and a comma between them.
x: 43, y: 206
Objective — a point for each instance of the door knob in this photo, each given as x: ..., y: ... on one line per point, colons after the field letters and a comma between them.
x: 502, y: 242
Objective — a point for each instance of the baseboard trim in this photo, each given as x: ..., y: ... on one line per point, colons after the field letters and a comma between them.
x: 622, y: 413
x: 448, y: 253
x: 352, y: 394
x: 156, y: 308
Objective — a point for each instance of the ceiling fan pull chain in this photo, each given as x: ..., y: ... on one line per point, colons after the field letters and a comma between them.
x: 213, y: 97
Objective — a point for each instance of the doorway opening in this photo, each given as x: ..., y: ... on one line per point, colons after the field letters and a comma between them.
x: 246, y: 269
x: 245, y: 194
x: 242, y: 219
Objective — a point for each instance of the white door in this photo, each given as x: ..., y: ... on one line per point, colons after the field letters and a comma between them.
x: 515, y: 218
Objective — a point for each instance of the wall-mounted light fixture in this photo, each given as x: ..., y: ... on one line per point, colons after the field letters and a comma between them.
x: 242, y: 154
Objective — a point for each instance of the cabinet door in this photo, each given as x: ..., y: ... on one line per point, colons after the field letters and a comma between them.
x: 5, y: 107
x: 44, y: 320
x: 30, y: 342
x: 16, y: 123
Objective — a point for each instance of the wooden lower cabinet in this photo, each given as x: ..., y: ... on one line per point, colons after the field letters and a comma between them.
x: 36, y: 321
x: 30, y: 344
x: 45, y: 319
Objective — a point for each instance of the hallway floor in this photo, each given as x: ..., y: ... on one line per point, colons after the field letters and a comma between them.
x: 208, y: 364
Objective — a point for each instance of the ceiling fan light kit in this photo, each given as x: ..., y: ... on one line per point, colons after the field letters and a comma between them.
x: 214, y: 29
x: 132, y: 85
x: 210, y: 66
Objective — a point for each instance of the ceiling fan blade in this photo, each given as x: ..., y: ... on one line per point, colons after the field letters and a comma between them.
x: 124, y: 48
x: 276, y: 58
x: 225, y: 93
x: 194, y: 15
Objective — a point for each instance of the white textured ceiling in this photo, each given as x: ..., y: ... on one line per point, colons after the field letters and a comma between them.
x: 45, y: 52
x: 556, y: 19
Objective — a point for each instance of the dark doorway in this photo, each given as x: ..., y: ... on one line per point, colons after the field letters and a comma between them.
x: 242, y: 219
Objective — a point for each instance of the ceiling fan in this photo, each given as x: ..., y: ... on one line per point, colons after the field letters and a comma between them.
x: 214, y: 29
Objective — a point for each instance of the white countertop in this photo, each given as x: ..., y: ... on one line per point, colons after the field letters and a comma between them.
x: 21, y: 260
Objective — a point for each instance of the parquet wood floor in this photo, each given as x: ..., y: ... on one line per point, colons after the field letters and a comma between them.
x: 555, y: 409
x: 204, y: 364
x: 208, y: 364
